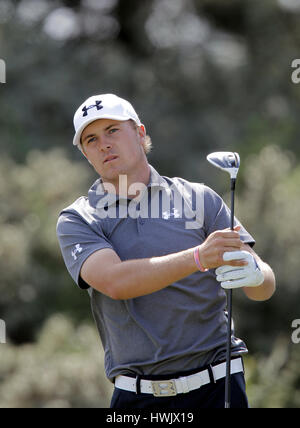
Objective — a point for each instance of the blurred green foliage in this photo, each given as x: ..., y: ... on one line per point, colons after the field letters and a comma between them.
x: 33, y: 279
x: 62, y: 369
x: 274, y: 381
x: 204, y: 75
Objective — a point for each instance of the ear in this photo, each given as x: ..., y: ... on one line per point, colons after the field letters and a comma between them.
x: 142, y: 131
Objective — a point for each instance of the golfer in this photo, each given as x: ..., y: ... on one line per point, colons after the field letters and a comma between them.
x: 155, y: 254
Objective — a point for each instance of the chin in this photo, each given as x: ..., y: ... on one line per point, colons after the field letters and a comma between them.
x: 110, y: 176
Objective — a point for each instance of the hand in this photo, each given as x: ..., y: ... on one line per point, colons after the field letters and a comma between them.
x: 212, y: 250
x: 242, y: 276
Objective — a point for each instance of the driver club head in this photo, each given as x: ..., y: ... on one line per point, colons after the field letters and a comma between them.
x: 227, y: 161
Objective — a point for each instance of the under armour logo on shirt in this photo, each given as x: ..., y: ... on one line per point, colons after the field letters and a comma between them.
x: 86, y: 109
x: 174, y: 213
x: 77, y: 249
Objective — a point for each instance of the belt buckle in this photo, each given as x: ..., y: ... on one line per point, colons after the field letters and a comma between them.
x: 163, y: 388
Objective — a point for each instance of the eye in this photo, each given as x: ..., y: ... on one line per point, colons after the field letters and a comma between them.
x: 113, y: 130
x: 91, y: 139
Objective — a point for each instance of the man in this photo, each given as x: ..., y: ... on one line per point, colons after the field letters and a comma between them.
x: 146, y: 247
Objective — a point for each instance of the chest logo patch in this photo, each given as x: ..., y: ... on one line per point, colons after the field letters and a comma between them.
x: 173, y: 213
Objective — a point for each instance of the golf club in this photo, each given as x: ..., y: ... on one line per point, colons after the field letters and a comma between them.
x: 229, y: 162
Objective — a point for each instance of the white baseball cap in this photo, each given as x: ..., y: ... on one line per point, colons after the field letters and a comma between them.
x: 107, y: 106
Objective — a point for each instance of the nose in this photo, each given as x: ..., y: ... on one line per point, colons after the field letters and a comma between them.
x: 104, y: 144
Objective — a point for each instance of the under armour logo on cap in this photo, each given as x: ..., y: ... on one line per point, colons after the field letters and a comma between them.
x: 86, y: 109
x: 103, y: 106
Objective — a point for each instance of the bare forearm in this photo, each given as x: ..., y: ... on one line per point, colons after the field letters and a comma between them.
x: 105, y: 272
x: 266, y: 289
x: 134, y: 278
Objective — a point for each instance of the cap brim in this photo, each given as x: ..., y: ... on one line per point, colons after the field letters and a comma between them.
x: 77, y: 136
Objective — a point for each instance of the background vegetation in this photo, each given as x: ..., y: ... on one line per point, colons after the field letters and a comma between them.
x: 204, y: 75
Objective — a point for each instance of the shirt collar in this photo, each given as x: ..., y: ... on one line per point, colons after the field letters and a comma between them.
x: 156, y: 180
x: 97, y: 192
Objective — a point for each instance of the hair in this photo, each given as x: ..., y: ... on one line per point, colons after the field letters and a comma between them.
x: 147, y: 143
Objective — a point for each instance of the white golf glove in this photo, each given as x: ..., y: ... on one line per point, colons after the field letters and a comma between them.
x: 239, y: 276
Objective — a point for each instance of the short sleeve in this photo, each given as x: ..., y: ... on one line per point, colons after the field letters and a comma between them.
x: 217, y: 216
x: 78, y: 240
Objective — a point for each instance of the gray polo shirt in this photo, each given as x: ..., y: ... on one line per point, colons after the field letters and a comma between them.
x: 180, y: 327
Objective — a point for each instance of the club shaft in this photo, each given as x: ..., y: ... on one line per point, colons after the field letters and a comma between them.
x: 232, y: 181
x: 228, y: 350
x: 229, y: 311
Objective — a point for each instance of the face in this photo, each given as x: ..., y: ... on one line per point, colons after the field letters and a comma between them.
x: 114, y: 148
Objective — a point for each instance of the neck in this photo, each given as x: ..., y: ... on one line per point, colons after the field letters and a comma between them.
x: 129, y: 185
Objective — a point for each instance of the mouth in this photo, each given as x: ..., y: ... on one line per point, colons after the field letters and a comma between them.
x: 110, y: 158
